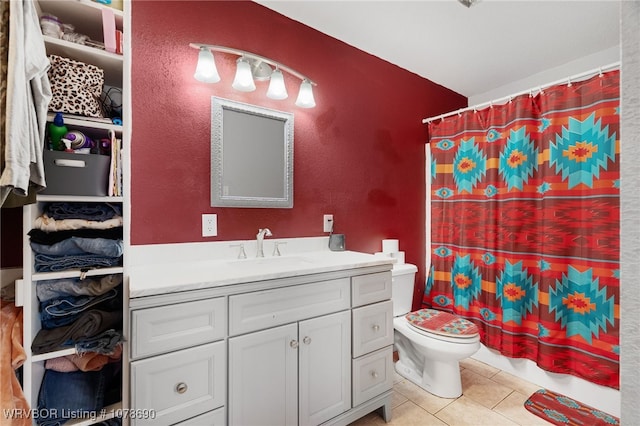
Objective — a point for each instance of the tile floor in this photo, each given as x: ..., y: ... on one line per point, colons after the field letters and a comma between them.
x: 489, y: 397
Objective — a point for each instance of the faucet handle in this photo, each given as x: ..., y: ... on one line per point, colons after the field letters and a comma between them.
x: 242, y: 254
x: 276, y: 248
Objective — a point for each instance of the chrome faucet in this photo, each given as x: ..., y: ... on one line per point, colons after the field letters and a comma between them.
x: 260, y: 238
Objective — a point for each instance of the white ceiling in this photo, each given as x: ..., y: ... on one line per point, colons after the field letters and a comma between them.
x: 469, y: 50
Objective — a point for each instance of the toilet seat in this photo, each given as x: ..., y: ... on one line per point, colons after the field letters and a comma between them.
x: 431, y: 321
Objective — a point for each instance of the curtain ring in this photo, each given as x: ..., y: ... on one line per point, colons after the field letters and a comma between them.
x: 569, y: 84
x: 600, y: 72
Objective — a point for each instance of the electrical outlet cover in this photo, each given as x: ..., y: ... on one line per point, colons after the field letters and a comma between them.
x: 209, y: 225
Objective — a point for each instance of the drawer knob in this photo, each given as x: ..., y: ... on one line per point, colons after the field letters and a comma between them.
x: 374, y: 374
x: 376, y: 327
x: 306, y: 340
x: 181, y: 387
x: 293, y: 343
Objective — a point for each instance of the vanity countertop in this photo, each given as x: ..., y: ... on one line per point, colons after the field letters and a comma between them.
x: 157, y: 279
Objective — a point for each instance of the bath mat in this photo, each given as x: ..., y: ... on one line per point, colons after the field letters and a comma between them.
x: 561, y: 410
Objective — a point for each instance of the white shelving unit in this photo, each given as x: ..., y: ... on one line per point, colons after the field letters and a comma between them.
x: 86, y: 16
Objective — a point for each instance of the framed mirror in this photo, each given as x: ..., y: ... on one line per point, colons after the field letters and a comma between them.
x: 251, y: 155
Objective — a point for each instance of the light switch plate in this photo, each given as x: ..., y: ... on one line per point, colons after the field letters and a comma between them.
x: 327, y: 222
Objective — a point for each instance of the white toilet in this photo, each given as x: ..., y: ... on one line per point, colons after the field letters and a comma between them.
x: 430, y: 343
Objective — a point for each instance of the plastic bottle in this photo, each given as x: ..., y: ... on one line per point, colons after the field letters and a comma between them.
x: 78, y: 140
x: 57, y: 130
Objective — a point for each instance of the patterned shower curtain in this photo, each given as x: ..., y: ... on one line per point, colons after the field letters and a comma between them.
x: 525, y: 226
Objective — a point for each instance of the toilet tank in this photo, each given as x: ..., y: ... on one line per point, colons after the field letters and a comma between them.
x: 403, y: 277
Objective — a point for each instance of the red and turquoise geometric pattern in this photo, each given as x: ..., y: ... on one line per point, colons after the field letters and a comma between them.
x: 525, y: 222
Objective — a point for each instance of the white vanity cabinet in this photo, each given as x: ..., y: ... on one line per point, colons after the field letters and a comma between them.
x: 298, y: 373
x: 298, y: 349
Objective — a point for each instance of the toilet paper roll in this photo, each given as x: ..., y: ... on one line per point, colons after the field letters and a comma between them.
x: 389, y: 246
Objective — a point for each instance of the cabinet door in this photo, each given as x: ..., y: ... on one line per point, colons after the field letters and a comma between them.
x: 325, y: 367
x: 263, y: 377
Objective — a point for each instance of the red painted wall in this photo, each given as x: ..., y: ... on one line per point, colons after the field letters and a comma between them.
x: 358, y: 155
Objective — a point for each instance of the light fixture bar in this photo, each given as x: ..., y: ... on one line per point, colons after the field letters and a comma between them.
x: 255, y: 56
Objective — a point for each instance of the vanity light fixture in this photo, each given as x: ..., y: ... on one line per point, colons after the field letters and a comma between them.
x: 305, y: 95
x: 206, y: 70
x: 277, y: 89
x: 250, y: 67
x: 244, y: 79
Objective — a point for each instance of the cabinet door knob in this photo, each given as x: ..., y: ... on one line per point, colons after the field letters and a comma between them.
x: 306, y: 340
x: 293, y: 343
x: 376, y: 327
x: 181, y: 387
x: 374, y: 374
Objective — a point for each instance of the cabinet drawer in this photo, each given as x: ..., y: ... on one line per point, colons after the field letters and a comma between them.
x: 372, y: 327
x: 180, y: 385
x: 372, y: 375
x: 212, y: 418
x: 269, y: 308
x: 162, y: 329
x: 370, y: 288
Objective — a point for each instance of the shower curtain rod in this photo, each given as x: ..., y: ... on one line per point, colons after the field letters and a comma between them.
x: 575, y: 77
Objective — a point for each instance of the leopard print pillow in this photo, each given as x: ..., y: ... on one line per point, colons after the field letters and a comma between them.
x: 76, y: 87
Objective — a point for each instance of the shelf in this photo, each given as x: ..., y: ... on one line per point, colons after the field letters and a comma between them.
x: 74, y: 273
x: 78, y: 199
x: 85, y: 15
x: 51, y: 355
x: 88, y: 122
x: 111, y: 63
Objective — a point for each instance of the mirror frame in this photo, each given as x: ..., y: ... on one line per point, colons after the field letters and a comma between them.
x: 218, y: 196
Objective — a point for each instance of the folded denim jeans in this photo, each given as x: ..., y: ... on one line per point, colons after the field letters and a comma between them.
x: 65, y: 310
x: 49, y: 263
x: 79, y: 245
x: 105, y: 343
x: 89, y: 324
x: 77, y: 394
x: 92, y: 286
x: 89, y: 211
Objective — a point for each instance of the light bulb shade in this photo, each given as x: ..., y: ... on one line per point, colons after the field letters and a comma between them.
x: 277, y: 89
x: 243, y: 80
x: 305, y: 95
x: 206, y: 70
